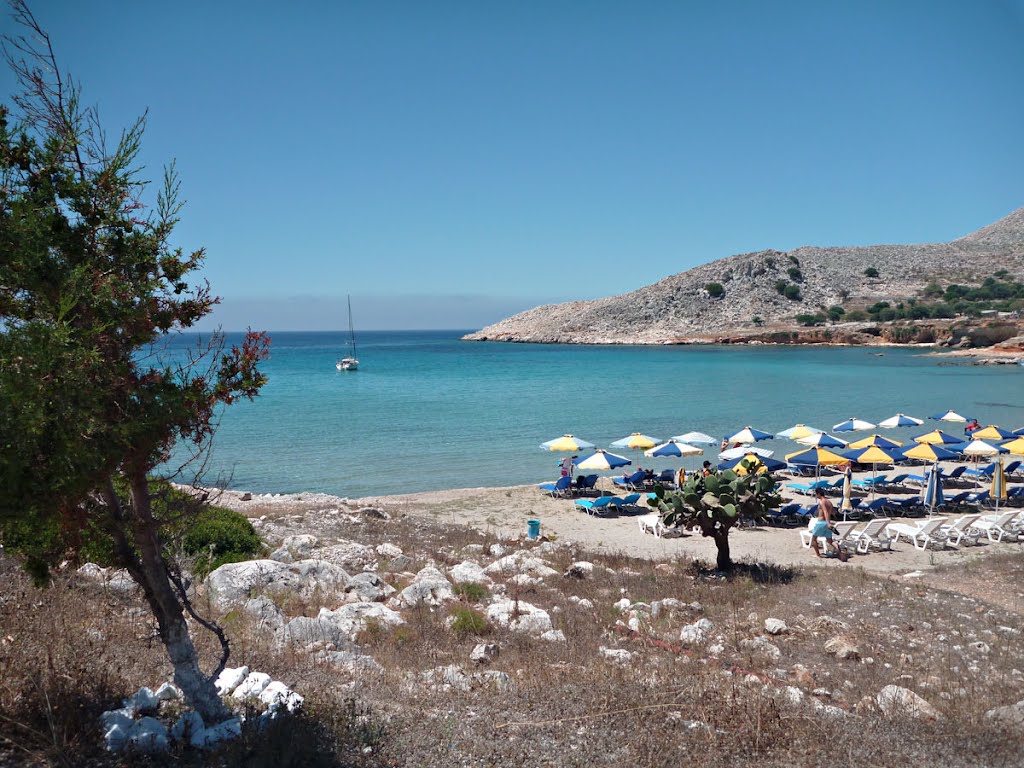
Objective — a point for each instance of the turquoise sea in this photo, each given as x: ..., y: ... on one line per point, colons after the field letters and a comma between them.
x: 427, y: 411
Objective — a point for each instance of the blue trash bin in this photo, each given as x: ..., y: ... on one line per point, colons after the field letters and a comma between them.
x: 533, y: 529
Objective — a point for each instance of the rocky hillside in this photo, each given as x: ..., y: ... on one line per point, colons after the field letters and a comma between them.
x: 681, y: 308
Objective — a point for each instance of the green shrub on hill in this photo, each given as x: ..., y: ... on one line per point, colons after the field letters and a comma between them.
x: 795, y: 274
x: 715, y: 290
x: 218, y: 536
x: 792, y: 292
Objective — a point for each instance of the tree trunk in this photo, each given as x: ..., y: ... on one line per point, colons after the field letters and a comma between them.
x: 199, y: 689
x: 722, y: 542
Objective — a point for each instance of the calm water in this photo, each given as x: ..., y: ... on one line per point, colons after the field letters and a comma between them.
x: 427, y: 411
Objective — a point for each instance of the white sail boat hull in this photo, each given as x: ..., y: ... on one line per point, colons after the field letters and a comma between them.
x: 350, y: 362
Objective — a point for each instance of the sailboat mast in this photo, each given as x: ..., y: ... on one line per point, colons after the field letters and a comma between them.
x: 351, y: 328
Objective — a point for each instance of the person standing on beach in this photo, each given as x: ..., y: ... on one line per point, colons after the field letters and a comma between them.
x: 567, y: 465
x: 823, y: 525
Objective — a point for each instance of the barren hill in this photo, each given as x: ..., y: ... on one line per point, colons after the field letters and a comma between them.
x: 681, y: 307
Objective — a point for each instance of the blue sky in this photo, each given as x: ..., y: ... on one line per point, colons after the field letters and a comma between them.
x: 448, y: 163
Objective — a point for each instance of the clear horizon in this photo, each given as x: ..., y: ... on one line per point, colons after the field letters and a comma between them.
x: 450, y: 165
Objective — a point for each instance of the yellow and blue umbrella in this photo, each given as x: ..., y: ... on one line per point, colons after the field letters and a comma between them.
x: 637, y: 441
x: 1016, y: 447
x: 673, y: 448
x: 932, y: 495
x: 750, y: 435
x: 602, y: 460
x: 900, y: 420
x: 852, y: 425
x: 815, y: 457
x: 937, y: 437
x: 877, y: 441
x: 566, y: 443
x: 928, y: 452
x: 981, y: 449
x: 872, y: 454
x: 798, y: 431
x: 949, y: 416
x: 998, y: 483
x: 822, y: 440
x: 759, y: 464
x: 992, y: 432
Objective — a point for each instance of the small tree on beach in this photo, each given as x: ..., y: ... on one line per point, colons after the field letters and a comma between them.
x: 90, y: 286
x: 716, y: 503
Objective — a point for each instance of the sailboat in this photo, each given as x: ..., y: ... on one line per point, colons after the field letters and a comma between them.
x: 350, y: 362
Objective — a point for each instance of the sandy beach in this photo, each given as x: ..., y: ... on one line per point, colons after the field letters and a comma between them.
x: 504, y: 512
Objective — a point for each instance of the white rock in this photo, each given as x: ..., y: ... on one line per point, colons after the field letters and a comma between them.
x: 388, y: 550
x: 189, y: 727
x: 279, y: 696
x: 761, y: 645
x: 252, y: 686
x: 169, y: 692
x: 896, y: 700
x: 116, y: 737
x: 229, y: 679
x: 618, y: 655
x: 143, y: 701
x: 124, y: 717
x: 981, y: 647
x: 347, y: 554
x: 520, y: 562
x: 356, y: 664
x: 622, y: 605
x: 775, y: 626
x: 368, y: 588
x: 519, y: 616
x: 300, y: 547
x: 696, y: 633
x: 226, y: 730
x: 582, y: 603
x: 264, y: 612
x: 234, y: 583
x: 353, y: 618
x: 468, y: 571
x: 1012, y: 714
x: 148, y: 735
x: 484, y: 653
x: 92, y: 572
x: 429, y: 587
x: 553, y: 636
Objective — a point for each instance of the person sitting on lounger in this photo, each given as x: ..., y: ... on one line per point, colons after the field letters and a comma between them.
x: 823, y: 526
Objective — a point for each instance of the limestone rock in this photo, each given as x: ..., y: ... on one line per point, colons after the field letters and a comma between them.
x: 374, y: 513
x: 775, y: 626
x: 234, y: 583
x: 895, y: 700
x: 429, y: 587
x: 761, y: 645
x: 229, y: 679
x: 484, y: 653
x: 469, y: 572
x: 696, y: 633
x: 520, y: 562
x: 553, y: 636
x: 353, y: 618
x: 368, y: 588
x: 842, y: 647
x: 519, y: 616
x: 252, y: 686
x: 264, y: 612
x: 148, y: 735
x: 278, y: 696
x: 618, y: 655
x: 1012, y: 714
x: 388, y: 550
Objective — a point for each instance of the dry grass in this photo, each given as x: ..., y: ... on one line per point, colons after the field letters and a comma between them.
x: 76, y: 650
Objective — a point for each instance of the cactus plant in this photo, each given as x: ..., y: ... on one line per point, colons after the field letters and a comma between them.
x: 715, y: 503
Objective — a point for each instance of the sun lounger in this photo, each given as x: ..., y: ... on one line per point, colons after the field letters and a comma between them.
x: 996, y: 527
x: 960, y: 531
x: 585, y: 485
x: 1014, y: 468
x: 983, y: 472
x: 921, y: 535
x: 561, y: 487
x: 783, y: 516
x: 625, y: 501
x: 980, y: 498
x: 878, y: 505
x: 598, y: 505
x: 632, y: 482
x: 842, y: 531
x: 954, y: 476
x: 651, y: 524
x: 896, y: 479
x: 872, y: 535
x: 808, y: 488
x: 915, y: 479
x: 869, y: 482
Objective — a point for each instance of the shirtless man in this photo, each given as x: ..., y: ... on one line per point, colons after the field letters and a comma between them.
x: 823, y: 526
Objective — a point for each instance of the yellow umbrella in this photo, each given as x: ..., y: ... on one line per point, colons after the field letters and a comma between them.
x: 992, y: 432
x: 798, y: 431
x: 818, y: 456
x: 1016, y: 447
x: 566, y: 443
x: 875, y: 440
x: 937, y: 437
x: 637, y: 441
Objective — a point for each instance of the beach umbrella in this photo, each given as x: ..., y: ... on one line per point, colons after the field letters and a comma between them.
x: 815, y: 457
x: 979, y: 448
x: 932, y: 492
x: 749, y: 435
x: 847, y: 505
x: 797, y: 431
x: 695, y: 438
x: 566, y: 443
x: 873, y: 455
x: 761, y: 464
x: 937, y: 437
x: 949, y: 416
x: 743, y: 450
x: 998, y: 483
x: 1016, y: 447
x: 1019, y: 432
x: 928, y: 452
x: 877, y: 441
x: 602, y: 460
x: 637, y: 441
x: 822, y: 440
x: 852, y: 425
x: 900, y: 420
x: 673, y: 448
x: 992, y: 432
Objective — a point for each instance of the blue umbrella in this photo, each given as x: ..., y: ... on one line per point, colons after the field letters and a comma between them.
x: 900, y: 420
x: 929, y: 453
x: 674, y: 448
x: 750, y: 435
x: 602, y: 460
x: 822, y: 440
x: 933, y: 489
x: 852, y: 425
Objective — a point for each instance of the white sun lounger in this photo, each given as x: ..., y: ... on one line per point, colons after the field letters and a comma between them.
x: 995, y: 527
x: 960, y: 531
x: 872, y: 535
x: 651, y: 524
x: 841, y: 534
x: 923, y: 534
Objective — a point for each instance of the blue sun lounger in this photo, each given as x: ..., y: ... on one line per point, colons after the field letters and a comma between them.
x: 598, y: 505
x: 809, y: 488
x: 561, y: 487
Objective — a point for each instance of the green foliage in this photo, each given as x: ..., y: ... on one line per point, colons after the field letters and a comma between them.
x: 810, y: 320
x: 871, y: 272
x: 466, y: 622
x: 835, y: 312
x: 714, y: 504
x: 856, y: 316
x: 757, y: 320
x: 715, y: 290
x: 795, y: 274
x: 217, y: 536
x: 780, y: 287
x: 792, y: 292
x: 794, y: 259
x: 769, y: 262
x: 471, y: 591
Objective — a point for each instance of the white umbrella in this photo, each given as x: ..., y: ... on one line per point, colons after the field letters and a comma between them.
x: 798, y: 431
x: 743, y: 450
x: 822, y: 440
x: 900, y: 420
x: 852, y: 425
x: 980, y: 448
x: 698, y: 438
